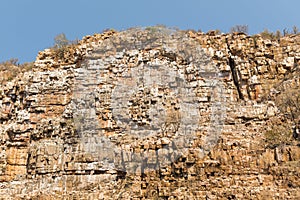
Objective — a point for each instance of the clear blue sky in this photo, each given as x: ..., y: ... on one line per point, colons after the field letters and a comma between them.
x: 28, y: 26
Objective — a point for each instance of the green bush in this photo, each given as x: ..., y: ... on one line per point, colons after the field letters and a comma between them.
x: 266, y: 34
x: 278, y: 133
x: 286, y: 129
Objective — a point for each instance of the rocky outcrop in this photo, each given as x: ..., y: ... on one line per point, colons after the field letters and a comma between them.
x: 150, y: 114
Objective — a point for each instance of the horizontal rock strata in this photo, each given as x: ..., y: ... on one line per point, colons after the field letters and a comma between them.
x: 150, y: 114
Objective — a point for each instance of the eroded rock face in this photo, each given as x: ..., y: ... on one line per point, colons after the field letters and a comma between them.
x: 155, y: 114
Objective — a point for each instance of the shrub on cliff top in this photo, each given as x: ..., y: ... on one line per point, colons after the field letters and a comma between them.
x: 11, y: 68
x: 239, y: 29
x: 266, y: 34
x: 60, y: 41
x: 62, y: 47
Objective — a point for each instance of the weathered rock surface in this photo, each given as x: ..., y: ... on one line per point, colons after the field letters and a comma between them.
x: 68, y: 128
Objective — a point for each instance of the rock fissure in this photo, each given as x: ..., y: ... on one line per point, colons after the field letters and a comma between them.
x: 234, y: 72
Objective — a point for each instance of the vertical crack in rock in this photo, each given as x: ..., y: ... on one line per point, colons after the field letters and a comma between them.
x: 234, y: 72
x: 235, y: 77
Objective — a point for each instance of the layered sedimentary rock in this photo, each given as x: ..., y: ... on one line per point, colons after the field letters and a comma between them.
x: 150, y: 114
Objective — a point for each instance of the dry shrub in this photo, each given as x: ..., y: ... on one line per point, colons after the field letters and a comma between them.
x: 278, y: 133
x: 10, y: 69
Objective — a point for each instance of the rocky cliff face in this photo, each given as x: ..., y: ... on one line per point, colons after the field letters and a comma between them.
x: 151, y: 114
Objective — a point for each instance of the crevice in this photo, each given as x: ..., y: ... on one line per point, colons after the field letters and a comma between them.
x: 235, y: 77
x: 28, y: 165
x: 234, y: 73
x: 249, y: 92
x: 121, y: 175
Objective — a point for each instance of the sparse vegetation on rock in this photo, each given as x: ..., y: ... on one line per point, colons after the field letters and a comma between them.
x: 239, y: 29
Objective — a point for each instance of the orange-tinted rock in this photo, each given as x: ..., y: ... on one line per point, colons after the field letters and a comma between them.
x: 44, y: 153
